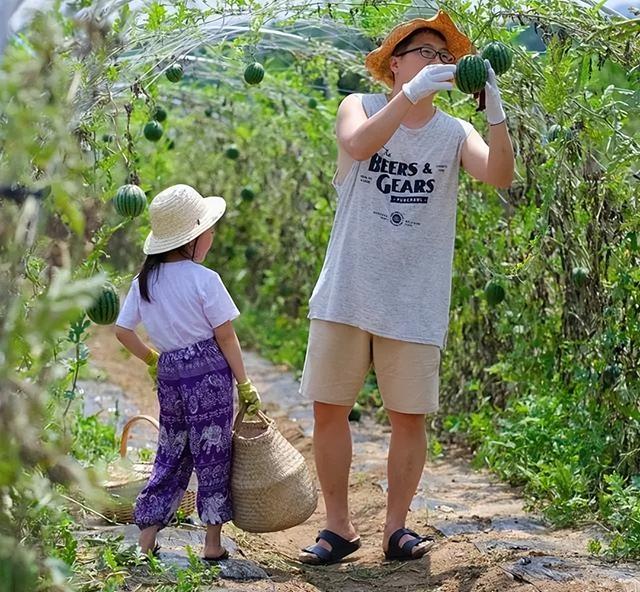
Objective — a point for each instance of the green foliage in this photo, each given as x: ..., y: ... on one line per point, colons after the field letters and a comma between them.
x: 111, y: 565
x: 93, y: 440
x: 282, y: 339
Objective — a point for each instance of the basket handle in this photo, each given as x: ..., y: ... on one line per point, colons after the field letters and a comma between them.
x: 127, y: 428
x: 242, y: 409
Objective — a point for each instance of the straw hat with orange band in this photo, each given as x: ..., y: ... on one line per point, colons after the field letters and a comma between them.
x: 378, y: 61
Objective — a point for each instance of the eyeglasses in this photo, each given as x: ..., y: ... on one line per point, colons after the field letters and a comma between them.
x: 429, y: 53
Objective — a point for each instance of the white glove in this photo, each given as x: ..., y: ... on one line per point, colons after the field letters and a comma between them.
x: 430, y: 79
x: 493, y: 102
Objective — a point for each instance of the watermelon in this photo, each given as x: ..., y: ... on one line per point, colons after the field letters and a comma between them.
x: 254, y: 73
x: 356, y: 412
x: 499, y: 55
x: 105, y: 309
x: 174, y: 72
x: 247, y: 194
x: 130, y: 201
x: 251, y: 252
x: 556, y: 131
x: 312, y: 103
x: 579, y: 275
x: 471, y: 74
x: 153, y: 131
x: 232, y: 152
x: 494, y: 292
x: 159, y: 114
x: 611, y: 374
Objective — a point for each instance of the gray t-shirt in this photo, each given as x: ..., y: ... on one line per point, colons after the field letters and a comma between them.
x: 388, y: 264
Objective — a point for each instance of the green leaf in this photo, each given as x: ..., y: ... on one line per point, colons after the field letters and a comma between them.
x: 585, y: 71
x: 157, y: 15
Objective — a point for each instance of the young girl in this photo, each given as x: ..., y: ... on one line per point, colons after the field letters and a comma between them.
x: 187, y: 313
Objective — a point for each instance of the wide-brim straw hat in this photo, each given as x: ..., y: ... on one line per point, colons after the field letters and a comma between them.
x: 179, y: 214
x: 378, y: 61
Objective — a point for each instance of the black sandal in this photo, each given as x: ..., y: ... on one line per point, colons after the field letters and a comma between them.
x: 340, y: 548
x: 155, y: 552
x: 397, y: 553
x: 221, y: 557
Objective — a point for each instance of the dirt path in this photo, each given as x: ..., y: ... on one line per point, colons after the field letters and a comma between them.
x: 486, y: 541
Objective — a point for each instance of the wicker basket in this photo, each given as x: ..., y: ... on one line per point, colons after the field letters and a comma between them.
x: 271, y: 487
x: 126, y: 480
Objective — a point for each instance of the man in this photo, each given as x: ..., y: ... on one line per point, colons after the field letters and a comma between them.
x: 382, y: 297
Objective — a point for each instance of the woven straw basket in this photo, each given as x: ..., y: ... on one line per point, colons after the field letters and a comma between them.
x: 126, y: 480
x: 271, y: 487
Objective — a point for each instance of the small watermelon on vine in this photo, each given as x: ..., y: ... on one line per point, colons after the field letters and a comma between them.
x: 232, y: 152
x: 611, y: 374
x: 559, y: 132
x: 356, y: 412
x: 579, y: 275
x: 106, y: 306
x: 494, y: 292
x: 153, y: 131
x: 500, y: 56
x: 247, y: 194
x: 251, y: 252
x: 130, y: 201
x: 254, y: 73
x: 159, y: 114
x: 174, y: 73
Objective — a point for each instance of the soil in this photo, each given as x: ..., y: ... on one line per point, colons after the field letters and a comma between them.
x: 486, y: 540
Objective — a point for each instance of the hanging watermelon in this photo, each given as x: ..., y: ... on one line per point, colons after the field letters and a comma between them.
x: 153, y: 131
x: 494, y: 292
x: 499, y: 55
x: 247, y: 194
x: 579, y: 275
x: 254, y: 73
x: 174, y: 72
x: 105, y: 309
x: 130, y: 201
x: 232, y: 152
x: 159, y: 114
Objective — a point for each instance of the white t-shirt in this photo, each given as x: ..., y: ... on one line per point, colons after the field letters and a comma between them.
x: 188, y: 301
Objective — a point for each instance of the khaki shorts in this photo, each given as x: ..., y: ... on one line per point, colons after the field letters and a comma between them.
x: 339, y: 357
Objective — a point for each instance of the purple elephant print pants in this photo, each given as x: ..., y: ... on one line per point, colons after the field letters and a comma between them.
x: 195, y: 390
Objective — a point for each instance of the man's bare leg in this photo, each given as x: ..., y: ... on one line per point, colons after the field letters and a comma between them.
x: 332, y: 449
x: 407, y: 454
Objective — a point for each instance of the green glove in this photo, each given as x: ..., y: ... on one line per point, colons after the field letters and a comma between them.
x: 152, y: 362
x: 248, y: 394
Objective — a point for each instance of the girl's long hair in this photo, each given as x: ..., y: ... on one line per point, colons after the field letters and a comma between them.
x: 151, y: 266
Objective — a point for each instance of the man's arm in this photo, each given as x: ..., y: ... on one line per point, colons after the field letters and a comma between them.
x: 492, y: 164
x: 361, y: 137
